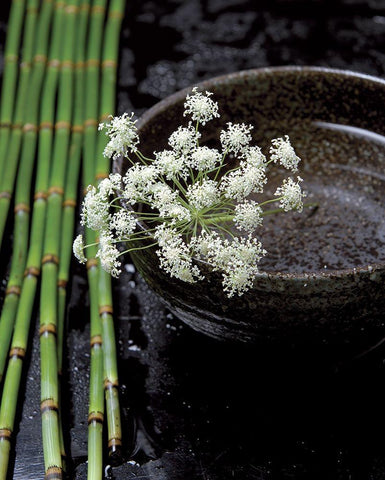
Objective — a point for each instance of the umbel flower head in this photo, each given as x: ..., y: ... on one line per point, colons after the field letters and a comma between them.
x: 193, y: 206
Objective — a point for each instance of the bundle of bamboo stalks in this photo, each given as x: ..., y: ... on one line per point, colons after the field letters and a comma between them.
x: 59, y: 82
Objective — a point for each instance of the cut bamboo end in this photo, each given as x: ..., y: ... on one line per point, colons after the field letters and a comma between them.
x: 69, y: 202
x: 47, y: 329
x: 50, y: 258
x: 22, y: 207
x: 55, y: 191
x: 96, y: 340
x: 109, y: 384
x: 53, y: 473
x: 17, y: 352
x: 5, y: 434
x: 40, y: 196
x: 106, y: 309
x: 47, y: 405
x: 95, y: 417
x: 91, y: 262
x: 114, y: 442
x: 13, y: 290
x: 32, y: 272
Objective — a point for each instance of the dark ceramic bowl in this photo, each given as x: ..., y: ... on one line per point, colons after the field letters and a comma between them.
x: 324, y: 276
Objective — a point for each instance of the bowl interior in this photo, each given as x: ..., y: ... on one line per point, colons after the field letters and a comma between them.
x: 335, y: 123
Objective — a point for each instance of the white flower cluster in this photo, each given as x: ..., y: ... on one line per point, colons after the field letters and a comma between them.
x: 193, y: 200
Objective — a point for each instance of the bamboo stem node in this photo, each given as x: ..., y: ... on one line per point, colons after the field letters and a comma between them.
x: 53, y: 473
x: 96, y: 340
x: 91, y: 262
x: 14, y: 289
x: 108, y: 384
x: 5, y: 195
x: 114, y: 442
x: 50, y: 258
x: 106, y: 309
x: 29, y: 127
x: 47, y: 405
x: 95, y: 417
x: 47, y: 329
x: 55, y: 190
x: 5, y: 434
x: 22, y: 207
x: 69, y: 202
x: 101, y: 176
x: 46, y: 126
x: 62, y: 125
x: 77, y: 128
x: 109, y: 64
x: 17, y: 352
x: 40, y: 196
x: 32, y: 272
x: 40, y: 59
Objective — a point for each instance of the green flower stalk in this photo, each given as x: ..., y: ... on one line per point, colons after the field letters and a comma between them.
x: 21, y: 226
x: 71, y: 187
x: 49, y: 301
x: 193, y: 199
x: 96, y: 400
x: 10, y: 72
x: 107, y: 107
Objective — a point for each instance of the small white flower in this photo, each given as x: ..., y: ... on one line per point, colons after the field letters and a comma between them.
x: 175, y: 259
x: 95, y: 211
x: 108, y: 254
x: 254, y: 157
x: 123, y: 222
x: 184, y: 140
x: 78, y: 249
x: 205, y: 159
x: 176, y: 211
x: 200, y: 106
x: 238, y: 185
x: 248, y: 216
x: 123, y: 136
x: 170, y: 165
x: 281, y: 151
x: 291, y: 195
x: 203, y: 195
x: 139, y: 180
x: 236, y: 138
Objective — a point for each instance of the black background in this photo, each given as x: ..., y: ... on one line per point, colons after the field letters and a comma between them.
x: 194, y: 408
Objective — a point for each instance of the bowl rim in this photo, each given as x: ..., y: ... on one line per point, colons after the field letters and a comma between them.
x: 180, y: 95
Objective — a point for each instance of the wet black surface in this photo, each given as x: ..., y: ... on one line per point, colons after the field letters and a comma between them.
x: 194, y: 408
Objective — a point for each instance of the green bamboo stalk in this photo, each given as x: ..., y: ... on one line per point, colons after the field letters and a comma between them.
x: 49, y: 390
x: 24, y: 312
x: 21, y: 226
x: 25, y: 119
x: 107, y: 108
x: 11, y: 57
x: 70, y: 196
x: 96, y: 400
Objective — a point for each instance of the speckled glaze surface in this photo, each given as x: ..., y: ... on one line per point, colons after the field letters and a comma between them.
x: 324, y: 276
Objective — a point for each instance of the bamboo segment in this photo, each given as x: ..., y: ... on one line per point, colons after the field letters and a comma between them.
x: 107, y: 108
x: 70, y: 196
x: 10, y: 72
x: 23, y: 188
x: 96, y: 402
x: 48, y: 299
x: 24, y: 312
x: 25, y: 119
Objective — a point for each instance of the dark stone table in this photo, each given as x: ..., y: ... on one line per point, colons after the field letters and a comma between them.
x: 194, y: 408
